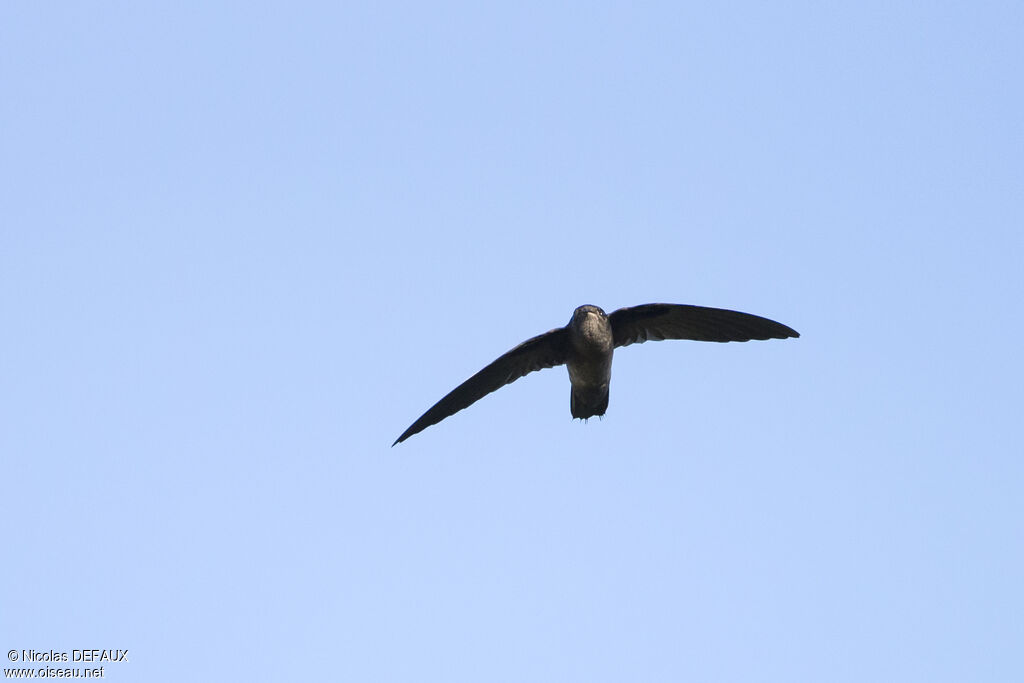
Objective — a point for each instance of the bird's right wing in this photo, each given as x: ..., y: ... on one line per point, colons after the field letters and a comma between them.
x: 654, y: 322
x: 543, y: 351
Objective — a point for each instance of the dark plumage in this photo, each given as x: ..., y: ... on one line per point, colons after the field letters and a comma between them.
x: 586, y: 345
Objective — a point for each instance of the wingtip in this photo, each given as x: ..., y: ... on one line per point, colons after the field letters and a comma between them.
x: 786, y: 332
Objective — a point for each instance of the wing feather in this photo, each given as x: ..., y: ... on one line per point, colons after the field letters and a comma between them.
x: 543, y: 351
x: 655, y: 322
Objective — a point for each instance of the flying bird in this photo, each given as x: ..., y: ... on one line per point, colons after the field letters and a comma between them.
x: 586, y: 345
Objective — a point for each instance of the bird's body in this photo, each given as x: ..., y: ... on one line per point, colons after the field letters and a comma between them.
x: 590, y: 364
x: 586, y: 346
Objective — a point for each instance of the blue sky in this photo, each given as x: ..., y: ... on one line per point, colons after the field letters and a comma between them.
x: 245, y: 245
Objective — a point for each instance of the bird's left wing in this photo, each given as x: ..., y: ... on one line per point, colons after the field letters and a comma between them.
x: 654, y: 322
x: 543, y: 351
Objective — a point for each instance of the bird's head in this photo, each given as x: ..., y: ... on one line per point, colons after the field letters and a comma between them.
x: 587, y: 311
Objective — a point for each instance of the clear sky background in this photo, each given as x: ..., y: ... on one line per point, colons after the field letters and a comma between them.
x: 244, y: 245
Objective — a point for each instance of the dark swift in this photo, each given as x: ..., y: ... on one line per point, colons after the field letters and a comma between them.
x: 586, y: 345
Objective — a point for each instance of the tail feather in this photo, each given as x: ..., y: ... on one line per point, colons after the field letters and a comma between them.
x: 588, y: 402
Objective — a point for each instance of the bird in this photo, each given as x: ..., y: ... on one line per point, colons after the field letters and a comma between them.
x: 586, y: 346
